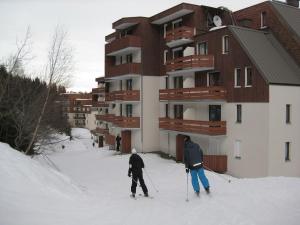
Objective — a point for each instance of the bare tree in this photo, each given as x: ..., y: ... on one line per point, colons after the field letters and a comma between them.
x: 57, y: 71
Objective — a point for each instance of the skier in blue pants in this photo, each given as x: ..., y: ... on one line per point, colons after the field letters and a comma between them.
x: 193, y: 159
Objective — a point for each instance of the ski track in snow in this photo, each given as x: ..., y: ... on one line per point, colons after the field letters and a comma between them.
x: 92, y: 188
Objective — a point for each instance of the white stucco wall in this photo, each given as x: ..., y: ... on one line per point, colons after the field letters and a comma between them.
x: 253, y: 134
x: 280, y: 132
x: 90, y: 121
x: 151, y: 111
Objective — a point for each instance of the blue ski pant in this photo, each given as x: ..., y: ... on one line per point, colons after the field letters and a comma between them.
x: 199, y: 173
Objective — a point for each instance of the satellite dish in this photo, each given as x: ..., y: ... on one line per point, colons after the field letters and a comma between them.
x: 217, y: 21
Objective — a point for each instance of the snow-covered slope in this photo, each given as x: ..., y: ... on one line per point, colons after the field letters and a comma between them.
x: 92, y: 187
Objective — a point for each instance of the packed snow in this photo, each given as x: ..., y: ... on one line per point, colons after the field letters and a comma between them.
x: 82, y: 184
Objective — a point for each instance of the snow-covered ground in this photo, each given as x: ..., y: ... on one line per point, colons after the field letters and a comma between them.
x: 89, y: 186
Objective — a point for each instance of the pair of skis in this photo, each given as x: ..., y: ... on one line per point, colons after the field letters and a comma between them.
x: 140, y: 195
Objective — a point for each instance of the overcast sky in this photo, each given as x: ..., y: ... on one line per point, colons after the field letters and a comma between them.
x: 87, y: 23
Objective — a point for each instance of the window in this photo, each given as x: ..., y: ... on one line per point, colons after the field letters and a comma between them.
x: 167, y: 82
x: 121, y: 59
x: 248, y: 77
x: 202, y: 48
x: 165, y: 30
x: 165, y: 56
x: 121, y: 110
x: 129, y: 84
x: 167, y: 111
x: 178, y: 111
x: 237, y: 149
x: 178, y: 82
x: 225, y: 44
x: 287, y: 151
x: 288, y: 113
x: 177, y: 53
x: 129, y: 110
x: 129, y: 58
x: 214, y: 112
x: 263, y: 21
x: 237, y: 78
x: 239, y: 113
x: 177, y: 23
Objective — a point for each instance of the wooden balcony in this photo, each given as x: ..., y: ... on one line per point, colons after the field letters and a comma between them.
x: 212, y: 128
x: 217, y: 163
x: 106, y: 117
x: 110, y: 139
x: 98, y: 90
x: 99, y: 104
x: 179, y: 36
x: 123, y: 69
x: 198, y: 93
x: 122, y: 45
x: 127, y: 122
x: 130, y: 95
x: 192, y: 63
x: 99, y: 131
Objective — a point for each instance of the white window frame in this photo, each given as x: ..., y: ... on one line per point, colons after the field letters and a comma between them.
x: 237, y: 149
x: 235, y: 77
x: 165, y: 30
x: 223, y: 44
x: 262, y: 19
x: 176, y: 21
x: 246, y: 76
x: 165, y: 56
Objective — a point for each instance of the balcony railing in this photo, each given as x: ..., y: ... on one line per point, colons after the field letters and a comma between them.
x: 100, y: 104
x: 129, y: 95
x: 212, y: 128
x: 127, y: 122
x: 106, y: 117
x: 123, y: 69
x: 185, y: 33
x: 198, y: 93
x: 98, y: 90
x: 100, y: 131
x: 195, y: 62
x: 122, y: 43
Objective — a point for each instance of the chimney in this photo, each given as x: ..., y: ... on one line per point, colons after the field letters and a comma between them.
x: 294, y: 3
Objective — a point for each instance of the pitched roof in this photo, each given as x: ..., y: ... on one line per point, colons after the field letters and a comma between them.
x: 290, y: 14
x: 271, y: 59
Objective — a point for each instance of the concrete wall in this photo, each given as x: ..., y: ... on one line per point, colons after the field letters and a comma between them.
x: 90, y: 121
x: 281, y: 132
x: 150, y: 113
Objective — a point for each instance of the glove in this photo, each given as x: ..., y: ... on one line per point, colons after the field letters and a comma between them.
x: 187, y: 170
x: 129, y: 175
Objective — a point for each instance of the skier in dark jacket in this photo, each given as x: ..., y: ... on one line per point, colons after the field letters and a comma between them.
x: 118, y: 141
x: 135, y: 167
x: 193, y: 159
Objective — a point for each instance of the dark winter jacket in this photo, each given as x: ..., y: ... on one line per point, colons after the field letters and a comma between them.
x: 135, y: 164
x: 118, y: 140
x: 193, y: 155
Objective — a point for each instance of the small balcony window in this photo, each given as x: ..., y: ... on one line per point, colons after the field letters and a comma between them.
x: 239, y: 113
x: 225, y: 44
x: 202, y: 48
x: 288, y: 113
x: 165, y: 56
x: 129, y: 58
x: 237, y: 78
x: 129, y: 110
x: 287, y: 151
x: 263, y: 20
x: 248, y: 77
x: 237, y: 149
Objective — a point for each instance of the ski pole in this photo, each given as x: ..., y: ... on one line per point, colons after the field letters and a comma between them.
x: 151, y: 180
x: 187, y: 187
x: 228, y: 180
x: 136, y: 182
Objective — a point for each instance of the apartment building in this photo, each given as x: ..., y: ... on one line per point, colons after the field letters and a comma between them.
x: 77, y: 107
x: 230, y: 80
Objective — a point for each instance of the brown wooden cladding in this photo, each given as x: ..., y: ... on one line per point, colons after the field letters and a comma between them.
x: 212, y: 128
x: 109, y: 96
x: 217, y: 163
x: 191, y: 61
x: 225, y: 64
x: 213, y: 93
x: 179, y: 33
x: 127, y: 122
x: 110, y: 139
x: 121, y: 43
x: 98, y: 90
x: 123, y: 69
x: 179, y: 147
